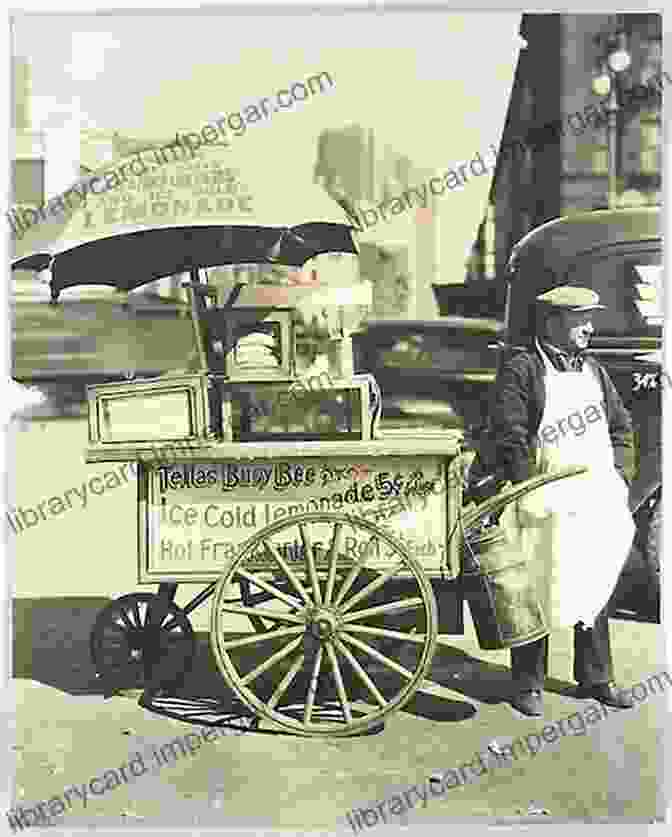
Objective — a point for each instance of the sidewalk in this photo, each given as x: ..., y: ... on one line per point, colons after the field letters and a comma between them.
x: 66, y: 734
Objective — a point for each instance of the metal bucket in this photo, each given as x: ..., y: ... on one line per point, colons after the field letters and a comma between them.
x: 500, y: 585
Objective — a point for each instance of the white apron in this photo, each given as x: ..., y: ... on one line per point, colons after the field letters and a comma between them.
x: 578, y: 531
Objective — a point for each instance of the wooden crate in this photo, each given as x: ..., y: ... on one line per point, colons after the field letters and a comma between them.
x: 170, y: 408
x: 290, y: 410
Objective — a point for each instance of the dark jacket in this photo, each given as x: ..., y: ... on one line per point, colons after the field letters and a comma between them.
x: 517, y: 407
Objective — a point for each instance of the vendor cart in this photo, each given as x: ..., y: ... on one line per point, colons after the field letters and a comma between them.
x: 341, y: 548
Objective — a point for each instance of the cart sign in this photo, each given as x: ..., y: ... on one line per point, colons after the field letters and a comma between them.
x: 195, y: 517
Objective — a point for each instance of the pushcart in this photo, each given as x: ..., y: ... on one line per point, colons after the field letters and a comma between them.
x: 341, y: 548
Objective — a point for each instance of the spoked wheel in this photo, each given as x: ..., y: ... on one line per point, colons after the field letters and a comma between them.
x: 120, y: 641
x: 348, y: 625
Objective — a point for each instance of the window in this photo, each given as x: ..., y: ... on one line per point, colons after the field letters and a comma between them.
x: 630, y: 285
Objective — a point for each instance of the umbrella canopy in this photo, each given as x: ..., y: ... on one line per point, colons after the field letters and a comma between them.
x: 166, y: 216
x: 128, y: 261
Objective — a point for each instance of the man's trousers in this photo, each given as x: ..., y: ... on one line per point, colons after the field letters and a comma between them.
x: 592, y: 657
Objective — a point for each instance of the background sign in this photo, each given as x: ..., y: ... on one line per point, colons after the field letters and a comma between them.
x: 173, y: 195
x: 196, y: 516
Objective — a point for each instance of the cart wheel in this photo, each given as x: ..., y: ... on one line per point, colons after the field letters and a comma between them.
x: 333, y: 608
x: 120, y: 637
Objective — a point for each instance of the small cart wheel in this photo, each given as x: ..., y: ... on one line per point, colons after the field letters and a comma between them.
x: 332, y: 612
x: 120, y: 640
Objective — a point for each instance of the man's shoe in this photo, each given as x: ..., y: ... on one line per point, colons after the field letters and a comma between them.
x: 607, y: 693
x: 529, y: 702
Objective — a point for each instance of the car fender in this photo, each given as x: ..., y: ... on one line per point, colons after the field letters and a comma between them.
x: 642, y: 489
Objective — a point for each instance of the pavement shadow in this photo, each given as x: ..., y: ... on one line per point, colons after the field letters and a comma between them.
x: 471, y: 676
x: 50, y: 645
x: 205, y: 699
x: 439, y: 709
x: 50, y: 642
x: 479, y: 680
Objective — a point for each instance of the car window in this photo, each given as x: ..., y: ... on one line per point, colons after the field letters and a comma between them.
x: 629, y: 284
x: 428, y: 351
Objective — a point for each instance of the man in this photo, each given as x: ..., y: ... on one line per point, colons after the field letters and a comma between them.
x: 554, y: 407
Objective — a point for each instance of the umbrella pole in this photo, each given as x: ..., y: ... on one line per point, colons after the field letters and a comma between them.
x: 197, y: 308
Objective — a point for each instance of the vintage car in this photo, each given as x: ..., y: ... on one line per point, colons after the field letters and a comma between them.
x: 441, y: 372
x: 432, y: 373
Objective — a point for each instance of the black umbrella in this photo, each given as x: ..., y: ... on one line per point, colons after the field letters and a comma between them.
x: 208, y: 213
x: 128, y: 261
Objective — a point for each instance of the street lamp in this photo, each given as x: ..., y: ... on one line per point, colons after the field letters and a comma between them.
x: 613, y: 63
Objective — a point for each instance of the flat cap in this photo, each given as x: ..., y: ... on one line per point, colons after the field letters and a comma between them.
x: 572, y: 298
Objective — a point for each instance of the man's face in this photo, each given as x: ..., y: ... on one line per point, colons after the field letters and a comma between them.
x: 571, y: 330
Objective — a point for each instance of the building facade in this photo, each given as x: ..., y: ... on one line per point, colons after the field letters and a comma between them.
x: 360, y: 171
x: 560, y: 74
x: 28, y: 155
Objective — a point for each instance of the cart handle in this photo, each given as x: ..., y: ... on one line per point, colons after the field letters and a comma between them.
x: 494, y: 504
